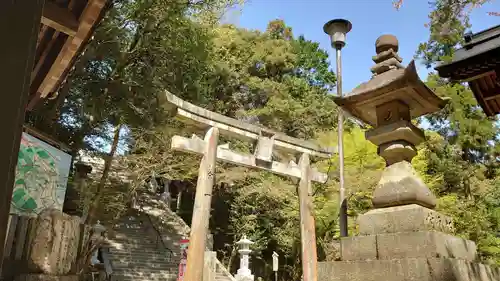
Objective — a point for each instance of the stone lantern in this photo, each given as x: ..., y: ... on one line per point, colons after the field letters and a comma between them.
x: 403, y: 238
x: 388, y: 102
x: 244, y: 272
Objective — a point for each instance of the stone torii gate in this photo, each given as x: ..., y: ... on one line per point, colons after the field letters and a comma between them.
x: 267, y: 142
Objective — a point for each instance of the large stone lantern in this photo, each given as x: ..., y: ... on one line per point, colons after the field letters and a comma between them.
x: 402, y: 238
x: 389, y: 101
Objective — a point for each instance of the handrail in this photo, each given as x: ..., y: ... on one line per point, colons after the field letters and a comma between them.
x: 224, y: 270
x: 158, y: 233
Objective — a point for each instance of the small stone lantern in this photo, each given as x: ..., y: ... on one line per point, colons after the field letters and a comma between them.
x: 388, y: 102
x: 244, y: 272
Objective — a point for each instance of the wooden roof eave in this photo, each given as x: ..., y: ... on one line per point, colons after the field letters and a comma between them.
x: 73, y: 45
x: 482, y: 52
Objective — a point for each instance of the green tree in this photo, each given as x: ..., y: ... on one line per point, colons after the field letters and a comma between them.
x: 448, y: 21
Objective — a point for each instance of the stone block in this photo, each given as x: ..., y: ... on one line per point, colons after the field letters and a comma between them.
x: 54, y: 246
x: 407, y: 269
x: 399, y: 184
x: 430, y: 244
x: 358, y: 248
x: 403, y: 219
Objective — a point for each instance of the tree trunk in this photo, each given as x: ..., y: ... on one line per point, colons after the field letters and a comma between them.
x: 104, y: 177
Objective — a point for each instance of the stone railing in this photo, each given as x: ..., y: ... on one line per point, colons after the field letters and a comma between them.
x: 214, y: 267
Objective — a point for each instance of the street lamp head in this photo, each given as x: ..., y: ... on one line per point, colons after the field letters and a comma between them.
x: 337, y: 29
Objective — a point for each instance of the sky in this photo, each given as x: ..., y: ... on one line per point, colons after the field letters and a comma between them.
x: 370, y: 19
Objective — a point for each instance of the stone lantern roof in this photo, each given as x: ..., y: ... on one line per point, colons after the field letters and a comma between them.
x: 390, y: 81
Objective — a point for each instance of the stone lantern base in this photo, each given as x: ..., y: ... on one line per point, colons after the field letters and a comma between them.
x: 244, y: 276
x: 406, y: 243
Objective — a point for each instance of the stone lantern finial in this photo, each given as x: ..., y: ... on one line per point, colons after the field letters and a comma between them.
x: 387, y: 57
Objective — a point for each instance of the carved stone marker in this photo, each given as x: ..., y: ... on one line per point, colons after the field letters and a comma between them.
x: 402, y: 238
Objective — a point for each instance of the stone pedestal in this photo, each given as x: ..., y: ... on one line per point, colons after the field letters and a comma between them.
x: 43, y: 277
x: 406, y: 243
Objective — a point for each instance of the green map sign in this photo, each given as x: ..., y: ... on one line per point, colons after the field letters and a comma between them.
x: 41, y: 177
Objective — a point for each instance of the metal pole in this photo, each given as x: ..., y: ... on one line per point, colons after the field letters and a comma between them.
x: 276, y: 276
x: 340, y: 127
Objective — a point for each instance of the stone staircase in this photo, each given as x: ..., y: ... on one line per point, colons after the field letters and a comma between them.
x: 146, y: 246
x: 137, y: 254
x: 221, y: 273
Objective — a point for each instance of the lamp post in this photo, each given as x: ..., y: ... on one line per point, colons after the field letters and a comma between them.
x: 338, y: 29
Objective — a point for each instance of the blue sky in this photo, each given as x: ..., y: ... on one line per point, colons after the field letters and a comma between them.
x: 370, y: 19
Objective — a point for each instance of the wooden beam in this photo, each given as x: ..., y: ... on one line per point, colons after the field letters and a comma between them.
x: 307, y: 224
x: 245, y: 135
x: 236, y: 128
x: 224, y: 154
x: 478, y: 76
x: 59, y: 19
x: 202, y: 206
x: 46, y: 138
x: 43, y: 56
x: 476, y: 89
x: 492, y: 97
x: 65, y: 59
x: 17, y: 55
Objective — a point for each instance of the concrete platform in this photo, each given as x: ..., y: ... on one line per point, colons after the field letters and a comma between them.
x: 421, y: 244
x: 407, y: 269
x: 403, y: 219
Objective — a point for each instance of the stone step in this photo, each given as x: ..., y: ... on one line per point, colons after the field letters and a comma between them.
x: 145, y: 272
x: 139, y: 236
x: 120, y: 244
x: 149, y: 264
x: 142, y: 267
x: 222, y: 277
x: 145, y: 239
x: 138, y: 278
x: 143, y: 254
x: 145, y: 276
x: 143, y: 257
x: 436, y: 269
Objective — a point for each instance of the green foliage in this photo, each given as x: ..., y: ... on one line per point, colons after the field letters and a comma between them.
x: 448, y: 21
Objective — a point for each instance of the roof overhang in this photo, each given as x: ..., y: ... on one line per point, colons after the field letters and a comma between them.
x: 66, y: 27
x: 478, y: 63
